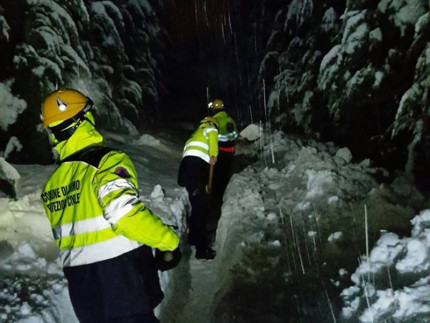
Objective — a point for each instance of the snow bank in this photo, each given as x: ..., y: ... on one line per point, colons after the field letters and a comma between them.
x: 394, y: 282
x: 33, y: 287
x: 284, y: 221
x: 8, y: 170
x: 171, y: 209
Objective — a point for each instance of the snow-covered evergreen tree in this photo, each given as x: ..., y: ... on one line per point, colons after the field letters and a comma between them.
x: 102, y: 48
x: 351, y: 71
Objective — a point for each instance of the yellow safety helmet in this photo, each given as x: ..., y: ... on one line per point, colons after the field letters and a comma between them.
x: 211, y: 120
x: 216, y: 104
x: 63, y: 105
x: 62, y: 113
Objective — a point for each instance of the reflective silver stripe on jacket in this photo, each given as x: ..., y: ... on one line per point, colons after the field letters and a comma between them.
x: 197, y: 153
x: 207, y: 130
x: 119, y: 207
x: 79, y: 227
x: 97, y: 252
x: 197, y: 144
x: 228, y: 137
x: 114, y: 186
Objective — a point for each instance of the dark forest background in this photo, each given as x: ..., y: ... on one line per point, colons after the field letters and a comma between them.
x: 353, y: 72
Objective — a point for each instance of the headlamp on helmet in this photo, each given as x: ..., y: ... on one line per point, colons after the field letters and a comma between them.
x: 63, y: 111
x: 216, y: 105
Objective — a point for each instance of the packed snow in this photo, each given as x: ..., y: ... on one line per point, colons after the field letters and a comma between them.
x: 394, y: 281
x: 280, y: 225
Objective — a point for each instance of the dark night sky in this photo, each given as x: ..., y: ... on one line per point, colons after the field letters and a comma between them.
x: 200, y: 58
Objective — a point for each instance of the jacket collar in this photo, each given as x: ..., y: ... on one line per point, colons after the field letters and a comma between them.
x: 220, y: 114
x: 85, y: 135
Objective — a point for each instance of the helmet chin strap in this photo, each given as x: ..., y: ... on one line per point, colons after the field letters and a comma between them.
x: 68, y: 127
x: 64, y: 134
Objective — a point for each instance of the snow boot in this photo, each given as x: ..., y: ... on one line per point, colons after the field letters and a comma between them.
x: 205, y: 253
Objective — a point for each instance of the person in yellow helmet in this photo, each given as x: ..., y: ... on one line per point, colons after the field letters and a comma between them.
x: 103, y: 230
x: 200, y: 154
x: 227, y: 136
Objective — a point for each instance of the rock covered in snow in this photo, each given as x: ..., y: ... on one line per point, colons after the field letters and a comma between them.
x: 251, y: 132
x: 157, y: 193
x: 344, y: 154
x: 147, y: 140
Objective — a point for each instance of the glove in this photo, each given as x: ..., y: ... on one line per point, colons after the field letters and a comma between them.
x: 165, y: 260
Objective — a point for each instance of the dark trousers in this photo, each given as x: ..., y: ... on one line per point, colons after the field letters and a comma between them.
x: 221, y: 177
x: 222, y: 174
x: 197, y: 222
x: 122, y: 289
x: 194, y: 176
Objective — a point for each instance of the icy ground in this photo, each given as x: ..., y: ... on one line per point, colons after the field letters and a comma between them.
x: 291, y: 242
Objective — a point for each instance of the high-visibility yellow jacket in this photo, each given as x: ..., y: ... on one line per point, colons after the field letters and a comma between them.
x: 227, y: 127
x: 93, y: 204
x: 203, y: 142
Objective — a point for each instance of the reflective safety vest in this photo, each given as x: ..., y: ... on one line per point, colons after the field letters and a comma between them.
x: 203, y: 142
x: 93, y: 205
x: 227, y: 132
